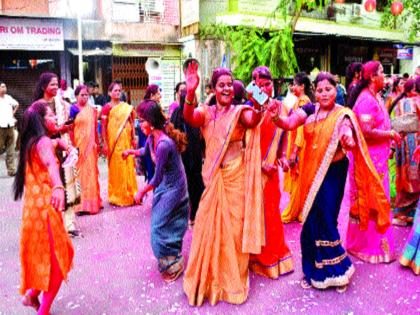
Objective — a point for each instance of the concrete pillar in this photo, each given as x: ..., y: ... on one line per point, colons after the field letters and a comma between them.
x: 65, y: 72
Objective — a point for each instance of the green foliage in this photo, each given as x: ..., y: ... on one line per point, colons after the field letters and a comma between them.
x: 409, y: 20
x: 270, y: 46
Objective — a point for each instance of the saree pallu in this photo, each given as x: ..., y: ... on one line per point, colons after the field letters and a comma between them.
x: 229, y: 223
x: 85, y: 140
x: 38, y: 214
x: 275, y: 258
x: 370, y: 245
x: 122, y: 184
x: 325, y: 262
x: 411, y: 253
x: 407, y: 172
x: 291, y: 178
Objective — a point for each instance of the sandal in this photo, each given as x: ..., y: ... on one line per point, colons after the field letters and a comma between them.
x: 341, y: 289
x: 168, y: 278
x: 305, y: 284
x: 174, y: 271
x: 31, y: 301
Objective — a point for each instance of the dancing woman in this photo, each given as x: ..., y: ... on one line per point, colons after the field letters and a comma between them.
x: 275, y: 258
x: 169, y: 185
x: 302, y: 89
x: 118, y: 134
x: 370, y: 245
x: 230, y: 223
x: 46, y: 90
x: 329, y: 130
x: 46, y: 251
x: 85, y: 138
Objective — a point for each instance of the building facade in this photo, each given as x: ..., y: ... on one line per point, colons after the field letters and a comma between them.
x: 120, y: 38
x: 326, y: 39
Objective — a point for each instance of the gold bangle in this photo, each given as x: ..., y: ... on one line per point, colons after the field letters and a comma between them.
x: 275, y: 118
x: 188, y: 102
x: 58, y: 187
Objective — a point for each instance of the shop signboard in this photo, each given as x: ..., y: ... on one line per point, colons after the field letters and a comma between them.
x: 171, y: 75
x: 31, y: 34
x: 405, y: 53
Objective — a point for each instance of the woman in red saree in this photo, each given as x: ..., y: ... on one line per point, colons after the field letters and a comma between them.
x: 275, y: 258
x: 85, y: 138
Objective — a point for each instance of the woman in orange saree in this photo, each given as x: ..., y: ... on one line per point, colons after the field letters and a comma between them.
x: 46, y: 252
x: 302, y: 89
x: 275, y: 258
x: 118, y: 134
x: 329, y: 130
x: 86, y: 140
x: 230, y: 223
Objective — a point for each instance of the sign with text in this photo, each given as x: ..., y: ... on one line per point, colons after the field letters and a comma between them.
x: 31, y: 34
x: 405, y: 54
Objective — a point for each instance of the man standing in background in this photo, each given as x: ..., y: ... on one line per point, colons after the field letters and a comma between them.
x: 8, y: 108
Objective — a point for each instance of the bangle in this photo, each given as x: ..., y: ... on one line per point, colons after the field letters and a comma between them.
x: 275, y: 119
x: 392, y: 134
x: 188, y: 102
x: 58, y: 187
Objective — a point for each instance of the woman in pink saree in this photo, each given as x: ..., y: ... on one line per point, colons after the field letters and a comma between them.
x: 370, y: 245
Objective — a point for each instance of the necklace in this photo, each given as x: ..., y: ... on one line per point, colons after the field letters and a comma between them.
x: 316, y: 134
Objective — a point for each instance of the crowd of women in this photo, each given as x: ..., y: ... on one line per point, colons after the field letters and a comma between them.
x: 217, y: 165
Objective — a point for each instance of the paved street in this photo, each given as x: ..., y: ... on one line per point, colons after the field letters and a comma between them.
x: 115, y: 272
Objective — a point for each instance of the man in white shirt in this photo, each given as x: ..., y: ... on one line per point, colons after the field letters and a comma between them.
x: 8, y: 108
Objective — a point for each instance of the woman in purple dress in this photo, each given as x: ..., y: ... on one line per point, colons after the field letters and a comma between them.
x: 169, y: 184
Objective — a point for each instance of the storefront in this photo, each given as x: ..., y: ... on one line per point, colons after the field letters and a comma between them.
x: 29, y: 47
x: 138, y: 65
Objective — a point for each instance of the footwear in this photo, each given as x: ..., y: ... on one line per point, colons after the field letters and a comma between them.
x: 305, y: 284
x: 74, y: 233
x: 31, y: 301
x: 341, y: 289
x: 11, y: 174
x: 399, y: 222
x: 168, y: 278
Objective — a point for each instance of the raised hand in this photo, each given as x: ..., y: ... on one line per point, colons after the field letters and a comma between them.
x: 192, y: 79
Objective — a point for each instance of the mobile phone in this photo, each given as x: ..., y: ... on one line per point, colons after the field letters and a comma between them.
x: 257, y: 94
x: 69, y: 122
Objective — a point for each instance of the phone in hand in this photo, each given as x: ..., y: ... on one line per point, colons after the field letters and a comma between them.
x: 69, y: 122
x: 257, y: 94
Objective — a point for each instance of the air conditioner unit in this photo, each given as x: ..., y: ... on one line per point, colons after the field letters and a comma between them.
x: 356, y: 10
x: 153, y: 6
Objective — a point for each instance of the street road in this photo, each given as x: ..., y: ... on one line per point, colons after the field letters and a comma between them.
x: 115, y: 272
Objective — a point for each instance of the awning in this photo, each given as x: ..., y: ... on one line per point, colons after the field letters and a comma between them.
x: 92, y: 52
